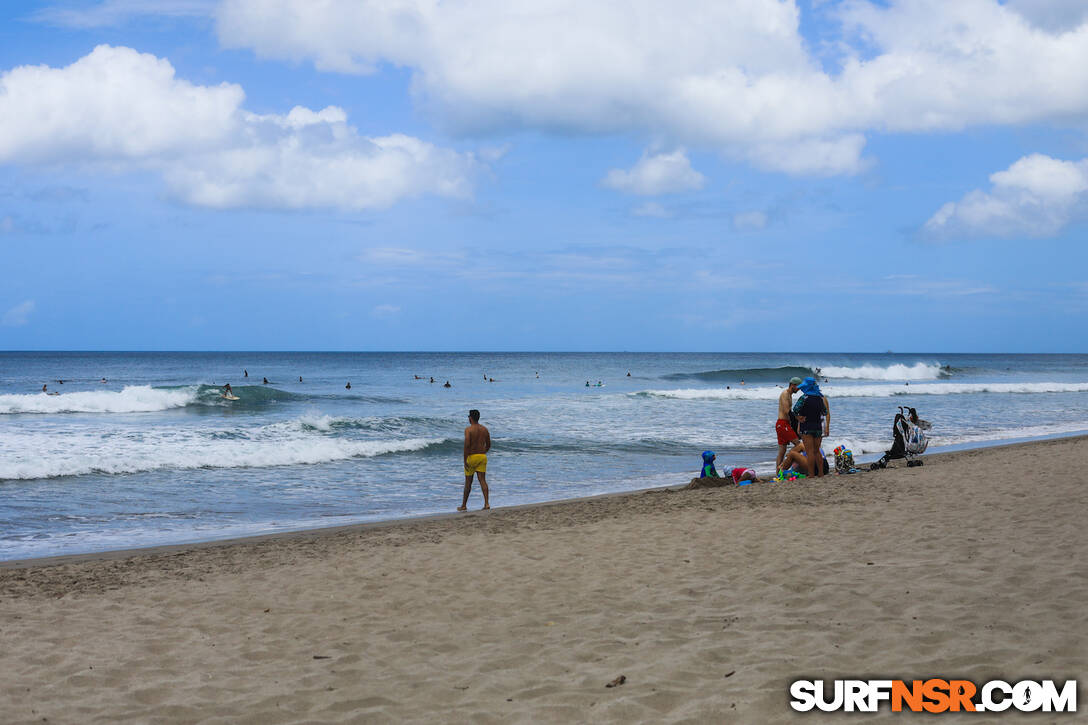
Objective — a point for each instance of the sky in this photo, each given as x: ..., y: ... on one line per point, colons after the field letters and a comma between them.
x: 754, y: 175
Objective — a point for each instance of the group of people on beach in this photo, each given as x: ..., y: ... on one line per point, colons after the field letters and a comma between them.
x: 800, y: 428
x: 802, y: 425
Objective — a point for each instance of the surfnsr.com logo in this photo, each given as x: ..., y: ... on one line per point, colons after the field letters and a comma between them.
x: 933, y: 695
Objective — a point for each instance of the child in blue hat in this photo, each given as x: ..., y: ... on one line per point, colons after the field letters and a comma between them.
x: 708, y: 466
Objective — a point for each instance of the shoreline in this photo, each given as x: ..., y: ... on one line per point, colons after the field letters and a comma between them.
x: 173, y: 549
x: 709, y: 601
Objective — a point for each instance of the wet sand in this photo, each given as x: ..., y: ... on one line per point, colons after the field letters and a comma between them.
x: 709, y: 601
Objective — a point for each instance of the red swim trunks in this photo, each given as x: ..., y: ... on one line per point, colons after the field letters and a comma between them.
x: 786, y: 435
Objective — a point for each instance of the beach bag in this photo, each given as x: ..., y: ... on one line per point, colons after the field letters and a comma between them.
x: 844, y: 460
x: 915, y: 440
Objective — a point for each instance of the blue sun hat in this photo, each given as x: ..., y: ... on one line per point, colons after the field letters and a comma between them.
x: 808, y: 386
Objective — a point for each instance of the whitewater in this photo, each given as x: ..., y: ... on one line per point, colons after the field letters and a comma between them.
x: 156, y: 455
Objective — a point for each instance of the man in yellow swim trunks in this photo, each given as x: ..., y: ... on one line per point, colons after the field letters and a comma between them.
x: 477, y: 444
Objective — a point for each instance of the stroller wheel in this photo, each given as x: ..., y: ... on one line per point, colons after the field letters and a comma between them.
x: 919, y: 463
x: 875, y: 466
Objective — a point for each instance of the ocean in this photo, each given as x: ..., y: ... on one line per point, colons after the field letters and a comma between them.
x: 154, y: 455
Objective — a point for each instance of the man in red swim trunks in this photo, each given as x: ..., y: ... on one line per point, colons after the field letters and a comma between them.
x: 786, y: 434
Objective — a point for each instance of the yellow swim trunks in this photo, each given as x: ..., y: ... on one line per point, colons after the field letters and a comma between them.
x: 476, y: 463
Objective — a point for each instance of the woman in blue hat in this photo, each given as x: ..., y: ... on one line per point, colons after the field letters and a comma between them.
x: 814, y: 415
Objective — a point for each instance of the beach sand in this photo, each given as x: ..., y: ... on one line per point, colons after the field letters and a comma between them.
x: 710, y: 602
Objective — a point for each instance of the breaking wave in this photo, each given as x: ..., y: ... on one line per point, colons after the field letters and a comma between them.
x: 917, y: 371
x: 133, y: 399
x: 145, y: 399
x: 868, y: 391
x: 84, y: 455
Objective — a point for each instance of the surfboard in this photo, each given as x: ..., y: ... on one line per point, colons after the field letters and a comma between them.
x: 230, y: 397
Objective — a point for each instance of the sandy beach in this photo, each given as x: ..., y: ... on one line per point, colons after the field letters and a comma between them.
x: 709, y: 602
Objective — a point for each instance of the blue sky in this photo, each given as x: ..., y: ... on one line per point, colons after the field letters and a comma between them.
x: 758, y: 175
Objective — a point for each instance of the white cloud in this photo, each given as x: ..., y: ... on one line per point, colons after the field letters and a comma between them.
x: 734, y: 77
x: 340, y: 170
x: 666, y: 173
x: 385, y: 311
x: 402, y: 257
x: 127, y: 110
x: 750, y: 220
x: 1037, y: 196
x: 18, y: 315
x: 931, y: 288
x: 111, y: 13
x: 113, y: 104
x: 652, y: 209
x: 1053, y: 15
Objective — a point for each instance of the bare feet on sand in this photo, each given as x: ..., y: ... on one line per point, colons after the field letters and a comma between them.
x: 486, y: 508
x: 462, y: 508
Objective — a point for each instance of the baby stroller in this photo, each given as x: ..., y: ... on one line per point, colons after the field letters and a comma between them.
x: 909, y: 439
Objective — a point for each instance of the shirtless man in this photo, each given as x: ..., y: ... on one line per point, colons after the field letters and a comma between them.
x: 477, y: 444
x: 786, y: 433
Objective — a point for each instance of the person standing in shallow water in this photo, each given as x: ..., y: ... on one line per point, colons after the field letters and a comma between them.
x: 477, y: 444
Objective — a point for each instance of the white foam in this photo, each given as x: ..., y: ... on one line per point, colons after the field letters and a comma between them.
x: 937, y: 439
x: 132, y: 399
x: 323, y: 423
x: 37, y: 455
x: 1031, y: 431
x: 870, y: 391
x: 917, y: 371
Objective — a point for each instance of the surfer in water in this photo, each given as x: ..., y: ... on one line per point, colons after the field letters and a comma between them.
x: 265, y: 381
x: 348, y: 386
x: 245, y: 373
x: 227, y: 392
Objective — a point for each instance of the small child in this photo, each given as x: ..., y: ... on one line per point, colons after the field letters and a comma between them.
x: 708, y: 466
x: 747, y: 475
